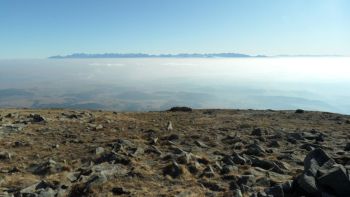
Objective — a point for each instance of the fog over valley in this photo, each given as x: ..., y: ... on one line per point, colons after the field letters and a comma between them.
x: 143, y: 84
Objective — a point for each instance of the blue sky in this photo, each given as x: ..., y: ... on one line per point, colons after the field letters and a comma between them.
x: 41, y: 28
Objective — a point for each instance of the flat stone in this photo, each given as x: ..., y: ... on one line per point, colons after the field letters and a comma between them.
x: 267, y: 165
x: 201, y: 144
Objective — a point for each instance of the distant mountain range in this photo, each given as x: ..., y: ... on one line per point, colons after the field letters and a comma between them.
x: 143, y: 55
x: 180, y: 55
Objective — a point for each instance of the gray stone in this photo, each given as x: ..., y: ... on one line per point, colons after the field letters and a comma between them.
x: 36, y: 188
x: 267, y: 165
x: 5, y: 156
x: 299, y: 111
x: 8, y: 128
x: 173, y: 170
x: 228, y: 160
x: 48, y: 192
x: 307, y: 183
x: 315, y: 159
x: 234, y: 185
x: 184, y: 158
x: 201, y: 144
x: 180, y: 109
x: 170, y: 126
x: 113, y: 158
x: 263, y: 182
x: 287, y: 186
x: 36, y: 118
x: 347, y: 147
x: 213, y: 186
x: 295, y: 136
x: 72, y: 176
x: 237, y: 159
x: 120, y: 191
x: 46, y: 168
x: 255, y: 149
x: 96, y: 179
x: 99, y: 151
x: 257, y: 132
x: 98, y: 127
x: 208, y: 171
x: 337, y: 180
x: 229, y: 168
x: 237, y: 193
x: 275, y: 191
x: 194, y: 167
x: 262, y: 194
x: 248, y: 180
x: 274, y: 144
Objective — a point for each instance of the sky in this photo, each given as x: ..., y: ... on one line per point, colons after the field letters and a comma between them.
x: 41, y: 28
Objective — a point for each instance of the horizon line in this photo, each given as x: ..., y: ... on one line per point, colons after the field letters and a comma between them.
x: 181, y: 55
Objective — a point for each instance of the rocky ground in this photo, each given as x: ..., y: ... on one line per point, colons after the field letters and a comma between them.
x: 174, y: 153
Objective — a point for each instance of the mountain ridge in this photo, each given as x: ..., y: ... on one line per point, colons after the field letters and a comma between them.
x: 145, y: 55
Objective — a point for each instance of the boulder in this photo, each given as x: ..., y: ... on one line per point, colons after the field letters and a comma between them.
x: 307, y: 183
x: 322, y: 176
x: 36, y: 118
x: 315, y: 159
x: 299, y: 111
x: 180, y: 109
